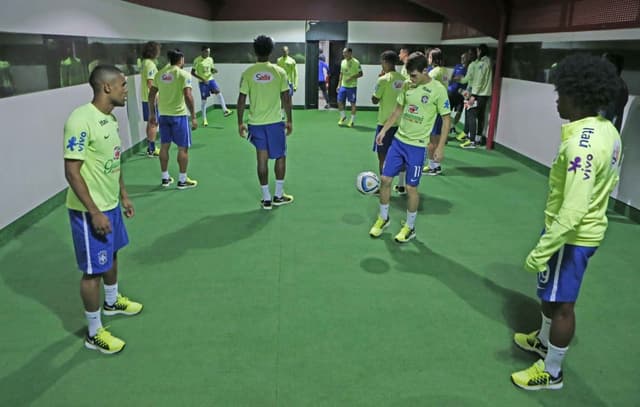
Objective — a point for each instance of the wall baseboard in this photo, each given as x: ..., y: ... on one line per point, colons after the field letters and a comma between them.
x: 620, y: 208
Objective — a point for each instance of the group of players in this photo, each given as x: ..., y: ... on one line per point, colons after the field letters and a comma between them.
x: 581, y: 178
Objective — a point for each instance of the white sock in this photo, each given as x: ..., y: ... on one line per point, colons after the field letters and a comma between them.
x: 411, y: 219
x: 165, y: 175
x: 478, y: 139
x: 433, y: 164
x: 266, y: 195
x: 545, y: 328
x: 342, y: 115
x: 279, y: 188
x: 384, y: 211
x: 222, y: 104
x: 553, y: 361
x: 110, y: 294
x: 93, y: 321
x: 353, y: 118
x: 204, y: 110
x: 182, y: 177
x: 402, y: 179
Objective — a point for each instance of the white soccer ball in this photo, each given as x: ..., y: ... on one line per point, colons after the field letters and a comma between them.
x: 367, y: 182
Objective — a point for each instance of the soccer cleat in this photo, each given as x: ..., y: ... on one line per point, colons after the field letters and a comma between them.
x: 228, y: 113
x: 166, y: 182
x: 405, y: 234
x: 282, y: 200
x: 104, y: 342
x: 468, y: 144
x: 536, y: 378
x: 188, y: 183
x: 434, y: 171
x: 153, y: 154
x: 530, y: 343
x: 350, y: 124
x: 379, y: 226
x: 400, y: 189
x: 123, y: 305
x: 341, y: 121
x: 266, y: 205
x: 205, y: 123
x: 461, y: 137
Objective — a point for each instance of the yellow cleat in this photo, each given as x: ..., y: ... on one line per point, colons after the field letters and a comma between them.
x: 341, y: 121
x: 461, y: 136
x: 536, y: 378
x: 530, y: 343
x: 350, y: 124
x: 104, y: 342
x: 405, y: 234
x: 189, y: 183
x: 123, y: 305
x: 379, y: 226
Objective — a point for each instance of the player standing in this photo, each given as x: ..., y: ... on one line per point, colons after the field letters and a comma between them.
x: 203, y: 68
x: 150, y: 53
x: 438, y: 73
x: 350, y: 71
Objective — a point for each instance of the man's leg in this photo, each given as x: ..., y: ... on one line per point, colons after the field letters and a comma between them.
x: 203, y: 107
x: 280, y: 169
x: 262, y: 161
x: 342, y: 100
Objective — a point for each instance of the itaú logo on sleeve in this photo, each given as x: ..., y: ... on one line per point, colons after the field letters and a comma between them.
x: 167, y: 77
x: 398, y: 84
x: 263, y: 77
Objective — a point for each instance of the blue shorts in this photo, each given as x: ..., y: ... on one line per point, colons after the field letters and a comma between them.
x: 94, y: 253
x: 291, y: 89
x: 175, y: 129
x: 386, y: 141
x: 269, y: 137
x: 560, y: 282
x: 345, y: 94
x: 207, y: 88
x: 145, y: 111
x: 403, y: 156
x: 437, y: 126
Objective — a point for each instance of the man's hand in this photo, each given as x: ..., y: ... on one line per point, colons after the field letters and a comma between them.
x: 100, y: 223
x: 438, y: 154
x: 129, y: 212
x: 380, y: 138
x: 289, y: 127
x: 534, y: 264
x: 194, y: 123
x: 242, y: 129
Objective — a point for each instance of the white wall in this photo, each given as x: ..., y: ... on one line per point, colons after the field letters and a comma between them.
x: 529, y: 124
x: 376, y: 32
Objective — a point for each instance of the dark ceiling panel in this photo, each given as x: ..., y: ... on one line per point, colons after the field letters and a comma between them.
x: 482, y: 15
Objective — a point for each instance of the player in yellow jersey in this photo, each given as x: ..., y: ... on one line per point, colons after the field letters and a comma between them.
x: 438, y: 73
x: 388, y: 86
x: 203, y: 68
x: 177, y: 116
x: 581, y: 178
x: 403, y: 55
x: 350, y: 71
x: 267, y: 87
x: 148, y: 71
x: 96, y: 199
x: 421, y: 100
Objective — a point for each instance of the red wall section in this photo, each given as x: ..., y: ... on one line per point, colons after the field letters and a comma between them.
x: 325, y: 10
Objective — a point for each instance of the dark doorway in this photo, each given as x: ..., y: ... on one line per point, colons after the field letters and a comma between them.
x: 336, y: 35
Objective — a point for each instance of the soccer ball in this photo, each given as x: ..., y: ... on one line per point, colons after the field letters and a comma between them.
x: 367, y: 182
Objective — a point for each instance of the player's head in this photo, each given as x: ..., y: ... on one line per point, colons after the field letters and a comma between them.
x: 347, y: 52
x: 263, y: 46
x: 389, y: 60
x: 151, y: 50
x: 417, y: 67
x: 427, y: 51
x: 107, y: 81
x: 176, y: 57
x: 403, y: 54
x: 616, y: 59
x: 472, y: 55
x: 205, y: 51
x: 435, y: 57
x: 322, y: 57
x: 285, y: 51
x: 585, y: 84
x: 482, y: 50
x: 464, y: 58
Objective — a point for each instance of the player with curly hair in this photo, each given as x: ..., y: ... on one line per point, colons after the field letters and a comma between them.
x: 581, y: 178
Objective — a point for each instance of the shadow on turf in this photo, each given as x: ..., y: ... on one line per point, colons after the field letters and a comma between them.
x: 429, y: 204
x: 521, y: 313
x: 43, y: 268
x: 480, y: 172
x: 206, y: 233
x: 29, y: 382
